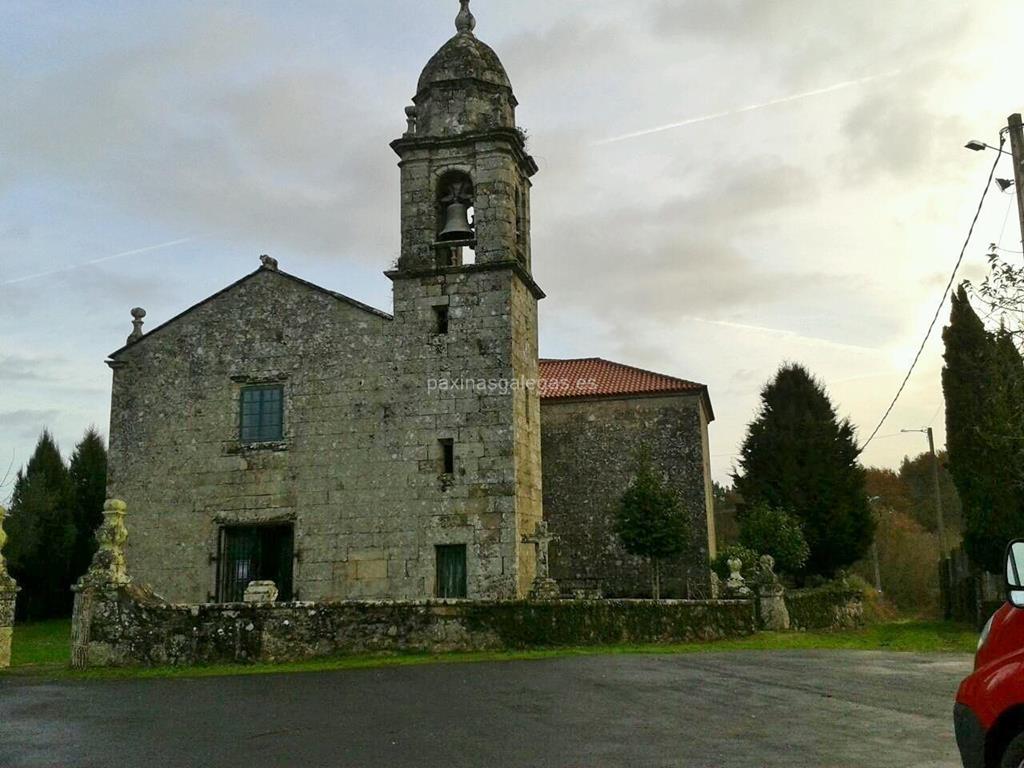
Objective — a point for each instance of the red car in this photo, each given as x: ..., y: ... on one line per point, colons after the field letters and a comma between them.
x: 989, y: 711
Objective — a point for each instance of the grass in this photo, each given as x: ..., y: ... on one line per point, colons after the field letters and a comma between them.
x: 43, y: 649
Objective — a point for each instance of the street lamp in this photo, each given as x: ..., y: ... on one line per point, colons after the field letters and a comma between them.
x: 1014, y: 130
x: 977, y: 146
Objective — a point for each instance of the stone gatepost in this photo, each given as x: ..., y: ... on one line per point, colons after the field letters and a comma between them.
x: 771, y: 597
x: 8, y: 595
x: 544, y: 587
x: 105, y: 576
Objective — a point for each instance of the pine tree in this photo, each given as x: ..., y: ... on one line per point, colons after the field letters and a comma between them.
x: 650, y: 521
x: 800, y: 457
x: 88, y: 472
x: 42, y: 533
x: 983, y: 385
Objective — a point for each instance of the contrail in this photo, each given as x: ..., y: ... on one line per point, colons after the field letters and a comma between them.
x: 784, y: 334
x: 97, y: 261
x: 740, y: 110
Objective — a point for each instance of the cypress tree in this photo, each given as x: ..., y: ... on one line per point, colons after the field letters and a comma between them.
x: 650, y: 521
x: 88, y: 472
x: 983, y: 385
x: 798, y: 456
x: 42, y: 533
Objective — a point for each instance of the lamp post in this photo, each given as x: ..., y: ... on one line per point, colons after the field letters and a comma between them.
x: 1016, y: 133
x: 947, y: 605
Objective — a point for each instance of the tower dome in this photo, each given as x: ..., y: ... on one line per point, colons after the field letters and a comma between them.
x: 464, y: 57
x: 464, y: 86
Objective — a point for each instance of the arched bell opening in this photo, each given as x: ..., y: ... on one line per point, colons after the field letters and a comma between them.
x: 455, y: 208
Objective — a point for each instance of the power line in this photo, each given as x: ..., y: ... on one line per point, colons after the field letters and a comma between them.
x: 942, y: 301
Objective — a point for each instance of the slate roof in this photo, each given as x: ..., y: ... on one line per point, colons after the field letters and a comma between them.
x: 594, y: 377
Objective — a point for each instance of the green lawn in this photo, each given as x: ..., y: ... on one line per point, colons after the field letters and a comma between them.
x: 43, y: 649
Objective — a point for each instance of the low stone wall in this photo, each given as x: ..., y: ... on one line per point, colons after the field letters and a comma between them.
x: 833, y: 606
x: 126, y: 625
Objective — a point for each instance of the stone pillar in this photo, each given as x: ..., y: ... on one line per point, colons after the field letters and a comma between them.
x: 8, y: 595
x: 544, y: 587
x: 106, y: 574
x: 771, y: 597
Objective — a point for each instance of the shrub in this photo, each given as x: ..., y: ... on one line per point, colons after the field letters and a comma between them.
x: 748, y: 557
x: 773, y: 531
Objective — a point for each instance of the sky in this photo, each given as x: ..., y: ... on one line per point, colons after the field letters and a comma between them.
x: 724, y: 185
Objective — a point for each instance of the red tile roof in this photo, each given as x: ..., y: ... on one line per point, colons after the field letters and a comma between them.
x: 594, y: 377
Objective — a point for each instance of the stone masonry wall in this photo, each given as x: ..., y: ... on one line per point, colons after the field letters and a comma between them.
x: 588, y: 448
x: 359, y: 471
x: 128, y: 626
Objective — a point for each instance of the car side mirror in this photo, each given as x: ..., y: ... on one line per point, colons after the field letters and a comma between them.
x: 1015, y: 573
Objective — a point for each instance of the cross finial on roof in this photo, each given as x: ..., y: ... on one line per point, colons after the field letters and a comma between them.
x: 465, y: 21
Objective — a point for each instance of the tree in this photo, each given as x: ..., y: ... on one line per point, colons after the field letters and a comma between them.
x: 88, y: 472
x: 919, y: 487
x: 982, y: 382
x: 889, y: 487
x: 42, y: 533
x: 775, y: 532
x: 798, y: 456
x: 650, y: 521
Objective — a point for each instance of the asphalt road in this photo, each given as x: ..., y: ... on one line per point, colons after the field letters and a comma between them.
x: 824, y: 709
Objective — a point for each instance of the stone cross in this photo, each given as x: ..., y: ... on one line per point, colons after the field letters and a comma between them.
x: 541, y: 539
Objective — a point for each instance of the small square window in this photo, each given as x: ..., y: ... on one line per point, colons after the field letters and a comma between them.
x: 447, y: 456
x: 262, y: 414
x: 441, y: 319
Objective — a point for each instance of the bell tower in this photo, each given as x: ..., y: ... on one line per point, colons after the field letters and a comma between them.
x: 465, y: 323
x: 465, y: 169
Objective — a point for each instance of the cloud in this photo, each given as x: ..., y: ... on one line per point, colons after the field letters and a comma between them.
x: 19, y: 368
x: 169, y: 130
x: 27, y: 423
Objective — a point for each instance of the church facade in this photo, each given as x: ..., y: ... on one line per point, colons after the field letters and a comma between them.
x: 279, y: 430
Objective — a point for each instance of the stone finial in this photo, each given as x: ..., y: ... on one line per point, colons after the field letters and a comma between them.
x: 465, y: 22
x: 137, y: 314
x: 3, y: 541
x: 108, y: 565
x: 411, y: 113
x: 268, y: 262
x: 735, y: 586
x: 6, y: 583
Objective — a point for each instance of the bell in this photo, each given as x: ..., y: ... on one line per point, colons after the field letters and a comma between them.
x: 456, y: 225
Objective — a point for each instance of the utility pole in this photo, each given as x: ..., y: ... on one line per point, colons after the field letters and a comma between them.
x: 947, y: 607
x: 1016, y: 131
x: 874, y: 551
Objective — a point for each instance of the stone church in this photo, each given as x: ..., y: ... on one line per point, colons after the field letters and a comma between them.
x: 280, y: 430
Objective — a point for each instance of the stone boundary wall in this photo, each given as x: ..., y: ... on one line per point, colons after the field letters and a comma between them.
x: 125, y: 625
x: 833, y: 606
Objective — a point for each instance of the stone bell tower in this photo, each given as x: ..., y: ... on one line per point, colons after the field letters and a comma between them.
x: 465, y: 328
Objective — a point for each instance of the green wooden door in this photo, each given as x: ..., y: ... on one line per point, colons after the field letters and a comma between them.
x: 451, y: 570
